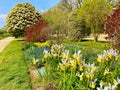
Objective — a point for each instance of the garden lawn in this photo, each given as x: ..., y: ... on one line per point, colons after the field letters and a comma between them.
x: 13, y: 70
x: 90, y: 43
x: 3, y: 36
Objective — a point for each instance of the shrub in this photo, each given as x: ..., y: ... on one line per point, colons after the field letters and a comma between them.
x: 112, y: 27
x: 35, y: 33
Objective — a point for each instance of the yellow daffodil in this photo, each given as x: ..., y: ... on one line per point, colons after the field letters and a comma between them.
x: 68, y: 57
x: 92, y: 85
x: 81, y: 78
x: 92, y: 76
x: 106, y: 59
x: 59, y: 47
x: 67, y: 64
x: 87, y: 75
x: 62, y: 68
x: 34, y: 62
x: 106, y: 72
x: 99, y: 60
x: 75, y: 56
x: 116, y: 58
x: 81, y: 69
x: 110, y: 56
x: 93, y: 68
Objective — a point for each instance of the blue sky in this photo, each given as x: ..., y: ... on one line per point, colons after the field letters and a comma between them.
x: 7, y: 5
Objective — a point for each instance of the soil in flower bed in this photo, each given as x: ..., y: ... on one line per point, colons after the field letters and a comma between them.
x: 34, y: 75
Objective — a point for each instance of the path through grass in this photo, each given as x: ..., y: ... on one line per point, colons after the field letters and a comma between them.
x: 13, y: 71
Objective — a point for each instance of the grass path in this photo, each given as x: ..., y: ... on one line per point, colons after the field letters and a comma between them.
x: 4, y: 42
x: 13, y: 71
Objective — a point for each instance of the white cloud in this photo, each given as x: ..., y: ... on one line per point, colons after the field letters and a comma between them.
x: 3, y: 16
x: 2, y: 20
x: 43, y: 10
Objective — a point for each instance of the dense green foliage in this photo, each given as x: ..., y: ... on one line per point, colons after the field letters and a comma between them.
x: 13, y: 70
x: 20, y: 17
x: 70, y: 17
x: 3, y: 34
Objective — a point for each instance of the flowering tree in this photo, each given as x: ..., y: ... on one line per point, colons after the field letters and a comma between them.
x: 112, y: 26
x: 21, y: 16
x: 35, y: 33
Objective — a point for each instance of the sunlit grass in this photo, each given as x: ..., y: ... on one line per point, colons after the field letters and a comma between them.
x: 13, y: 71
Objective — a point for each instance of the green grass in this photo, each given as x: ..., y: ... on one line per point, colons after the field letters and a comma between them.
x: 13, y: 71
x: 3, y: 36
x: 90, y: 44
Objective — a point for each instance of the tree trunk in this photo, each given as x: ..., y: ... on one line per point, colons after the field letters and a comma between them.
x: 95, y: 37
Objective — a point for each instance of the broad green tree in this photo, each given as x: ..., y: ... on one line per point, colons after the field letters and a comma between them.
x: 56, y: 19
x: 94, y: 13
x: 23, y: 15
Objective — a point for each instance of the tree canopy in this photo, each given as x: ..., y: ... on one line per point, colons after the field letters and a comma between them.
x: 21, y: 16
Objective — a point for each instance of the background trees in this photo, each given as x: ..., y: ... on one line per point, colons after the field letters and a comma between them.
x: 57, y: 20
x: 21, y: 16
x: 94, y: 13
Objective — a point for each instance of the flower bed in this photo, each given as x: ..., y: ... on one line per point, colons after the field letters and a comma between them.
x: 77, y: 68
x: 68, y: 71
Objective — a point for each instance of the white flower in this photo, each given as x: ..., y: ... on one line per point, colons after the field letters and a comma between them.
x: 79, y: 75
x: 101, y: 86
x: 111, y: 52
x: 116, y: 82
x: 101, y: 56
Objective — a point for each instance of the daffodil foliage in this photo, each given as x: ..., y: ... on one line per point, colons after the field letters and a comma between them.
x: 21, y: 16
x: 72, y: 72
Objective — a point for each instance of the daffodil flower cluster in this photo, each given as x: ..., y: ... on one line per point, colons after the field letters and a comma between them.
x: 88, y: 74
x: 67, y: 61
x: 94, y: 76
x: 110, y: 86
x: 76, y: 62
x: 55, y: 51
x: 108, y: 55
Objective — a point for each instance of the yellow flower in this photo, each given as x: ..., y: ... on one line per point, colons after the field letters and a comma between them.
x: 106, y: 59
x: 81, y: 78
x: 116, y: 58
x: 81, y: 69
x: 92, y: 76
x: 67, y: 64
x: 34, y: 62
x: 99, y: 60
x: 75, y: 56
x: 73, y: 63
x: 62, y: 68
x: 68, y: 57
x: 110, y: 56
x: 107, y: 72
x: 92, y: 85
x: 93, y: 68
x: 59, y: 47
x: 87, y: 75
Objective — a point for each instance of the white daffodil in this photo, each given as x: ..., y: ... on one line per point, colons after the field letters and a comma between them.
x: 101, y: 86
x: 117, y: 81
x: 80, y: 75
